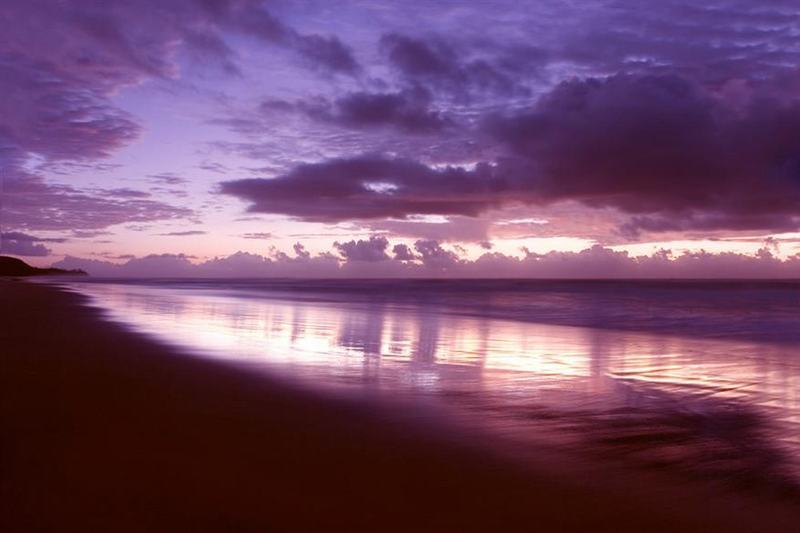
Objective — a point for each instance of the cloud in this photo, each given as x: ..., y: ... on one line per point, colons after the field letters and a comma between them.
x: 187, y: 233
x: 118, y: 42
x: 88, y: 234
x: 61, y: 63
x: 325, y: 51
x: 435, y: 62
x: 56, y: 116
x: 710, y: 41
x: 126, y: 193
x: 408, y: 111
x: 257, y: 235
x: 300, y: 251
x: 368, y: 258
x: 17, y: 243
x: 250, y: 17
x: 371, y: 187
x: 371, y: 250
x: 663, y: 149
x: 167, y: 178
x: 683, y: 118
x: 402, y: 252
x: 240, y: 264
x: 452, y: 228
x: 32, y: 204
x: 436, y: 258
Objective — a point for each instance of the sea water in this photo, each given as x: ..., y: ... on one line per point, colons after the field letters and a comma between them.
x: 699, y: 378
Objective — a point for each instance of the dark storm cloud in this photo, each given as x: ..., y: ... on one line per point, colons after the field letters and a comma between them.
x: 685, y: 120
x: 371, y: 187
x: 661, y: 148
x: 664, y: 149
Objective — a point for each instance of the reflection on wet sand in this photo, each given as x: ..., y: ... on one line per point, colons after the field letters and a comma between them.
x: 729, y: 409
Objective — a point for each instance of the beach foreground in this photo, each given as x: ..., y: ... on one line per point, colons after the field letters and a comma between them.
x: 106, y: 430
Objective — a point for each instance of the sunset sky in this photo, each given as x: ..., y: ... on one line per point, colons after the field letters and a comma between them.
x: 443, y: 134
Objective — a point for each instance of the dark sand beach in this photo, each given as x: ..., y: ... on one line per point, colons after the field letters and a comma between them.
x: 102, y: 429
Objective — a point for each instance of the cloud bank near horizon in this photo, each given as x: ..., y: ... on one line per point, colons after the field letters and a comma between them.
x: 377, y: 258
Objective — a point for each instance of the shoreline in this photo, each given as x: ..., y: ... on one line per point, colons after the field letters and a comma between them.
x: 105, y: 429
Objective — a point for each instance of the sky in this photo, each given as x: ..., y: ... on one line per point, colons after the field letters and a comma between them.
x: 577, y: 138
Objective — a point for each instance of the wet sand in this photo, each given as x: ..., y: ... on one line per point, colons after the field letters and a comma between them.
x: 105, y: 430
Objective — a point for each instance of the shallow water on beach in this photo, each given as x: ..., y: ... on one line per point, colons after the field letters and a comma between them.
x: 702, y: 379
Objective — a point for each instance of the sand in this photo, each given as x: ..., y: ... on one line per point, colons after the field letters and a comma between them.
x: 102, y: 429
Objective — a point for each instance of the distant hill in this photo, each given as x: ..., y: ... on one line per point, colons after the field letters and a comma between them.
x: 11, y: 266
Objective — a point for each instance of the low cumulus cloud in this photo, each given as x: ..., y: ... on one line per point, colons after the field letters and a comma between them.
x: 402, y: 252
x: 371, y: 250
x: 430, y: 259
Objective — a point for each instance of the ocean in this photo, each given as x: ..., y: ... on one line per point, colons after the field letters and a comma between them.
x: 699, y: 379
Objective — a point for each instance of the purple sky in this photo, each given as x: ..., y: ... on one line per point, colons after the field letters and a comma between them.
x: 497, y: 138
